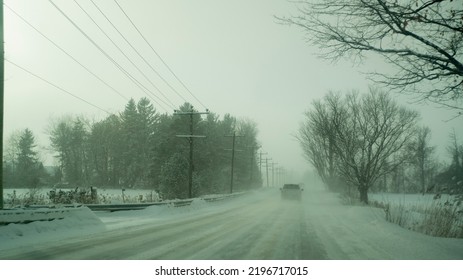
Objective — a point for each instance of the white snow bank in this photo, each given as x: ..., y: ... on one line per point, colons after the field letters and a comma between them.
x: 362, y: 232
x: 82, y: 221
x: 77, y: 221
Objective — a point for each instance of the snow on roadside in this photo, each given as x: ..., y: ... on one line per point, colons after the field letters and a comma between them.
x: 437, y: 216
x: 82, y: 221
x: 78, y: 221
x: 362, y: 232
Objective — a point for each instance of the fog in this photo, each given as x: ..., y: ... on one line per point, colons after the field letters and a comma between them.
x: 232, y: 55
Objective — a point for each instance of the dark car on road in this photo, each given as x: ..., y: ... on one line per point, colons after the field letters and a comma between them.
x: 291, y: 191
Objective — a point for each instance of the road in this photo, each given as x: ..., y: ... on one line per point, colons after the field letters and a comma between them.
x: 256, y: 226
x: 267, y: 228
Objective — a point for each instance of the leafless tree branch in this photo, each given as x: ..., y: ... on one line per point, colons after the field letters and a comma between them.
x: 423, y: 39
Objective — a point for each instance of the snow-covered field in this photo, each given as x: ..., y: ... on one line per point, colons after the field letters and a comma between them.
x: 410, y: 199
x: 253, y: 226
x: 15, y: 197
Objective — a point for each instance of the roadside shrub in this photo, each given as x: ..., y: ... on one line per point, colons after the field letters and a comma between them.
x: 32, y: 197
x: 440, y: 219
x: 78, y: 195
x: 38, y: 196
x: 398, y: 214
x: 443, y: 221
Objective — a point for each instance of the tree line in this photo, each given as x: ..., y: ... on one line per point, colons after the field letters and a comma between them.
x: 139, y: 148
x: 359, y: 142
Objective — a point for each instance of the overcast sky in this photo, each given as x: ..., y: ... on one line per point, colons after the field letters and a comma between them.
x: 232, y: 55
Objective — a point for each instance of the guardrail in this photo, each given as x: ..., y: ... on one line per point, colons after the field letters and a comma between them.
x: 136, y: 206
x: 50, y: 213
x: 119, y: 206
x: 222, y: 197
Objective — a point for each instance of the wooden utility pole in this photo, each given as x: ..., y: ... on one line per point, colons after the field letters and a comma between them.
x: 280, y: 177
x: 2, y: 79
x: 253, y: 153
x: 190, y: 140
x: 273, y: 173
x: 260, y: 162
x: 266, y: 165
x: 233, y: 158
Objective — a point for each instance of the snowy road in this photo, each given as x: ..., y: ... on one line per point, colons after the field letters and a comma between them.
x: 265, y: 229
x: 256, y: 226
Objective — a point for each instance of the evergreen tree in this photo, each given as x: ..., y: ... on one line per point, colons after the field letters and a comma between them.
x: 246, y: 166
x: 28, y: 167
x: 105, y: 146
x: 137, y: 128
x: 140, y: 148
x: 148, y: 119
x: 69, y: 139
x: 174, y: 177
x: 129, y: 130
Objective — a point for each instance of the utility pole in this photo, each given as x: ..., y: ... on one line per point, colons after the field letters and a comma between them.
x: 253, y: 149
x: 266, y: 165
x: 273, y: 173
x: 280, y: 176
x: 2, y: 79
x: 190, y: 140
x: 233, y: 158
x: 260, y: 162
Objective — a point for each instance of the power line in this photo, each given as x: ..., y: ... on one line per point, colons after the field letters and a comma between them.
x: 138, y: 53
x: 135, y: 81
x: 132, y: 78
x: 65, y: 52
x: 160, y: 58
x: 123, y: 53
x: 56, y: 86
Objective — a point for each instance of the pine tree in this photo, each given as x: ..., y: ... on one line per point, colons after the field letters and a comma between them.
x: 174, y: 177
x: 148, y: 119
x: 137, y: 129
x: 69, y: 138
x: 105, y: 145
x: 28, y: 166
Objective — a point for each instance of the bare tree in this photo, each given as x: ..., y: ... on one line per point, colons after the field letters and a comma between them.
x: 423, y: 39
x: 359, y: 138
x: 12, y: 148
x: 317, y: 134
x: 422, y: 156
x: 371, y: 140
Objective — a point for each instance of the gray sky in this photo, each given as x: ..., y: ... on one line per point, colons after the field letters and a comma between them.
x: 232, y: 55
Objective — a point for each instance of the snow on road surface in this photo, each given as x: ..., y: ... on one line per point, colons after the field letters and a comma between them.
x: 253, y: 226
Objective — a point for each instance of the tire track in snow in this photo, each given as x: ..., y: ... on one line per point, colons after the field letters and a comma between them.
x: 266, y: 228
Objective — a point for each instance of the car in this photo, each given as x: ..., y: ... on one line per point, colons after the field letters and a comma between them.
x: 291, y: 191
